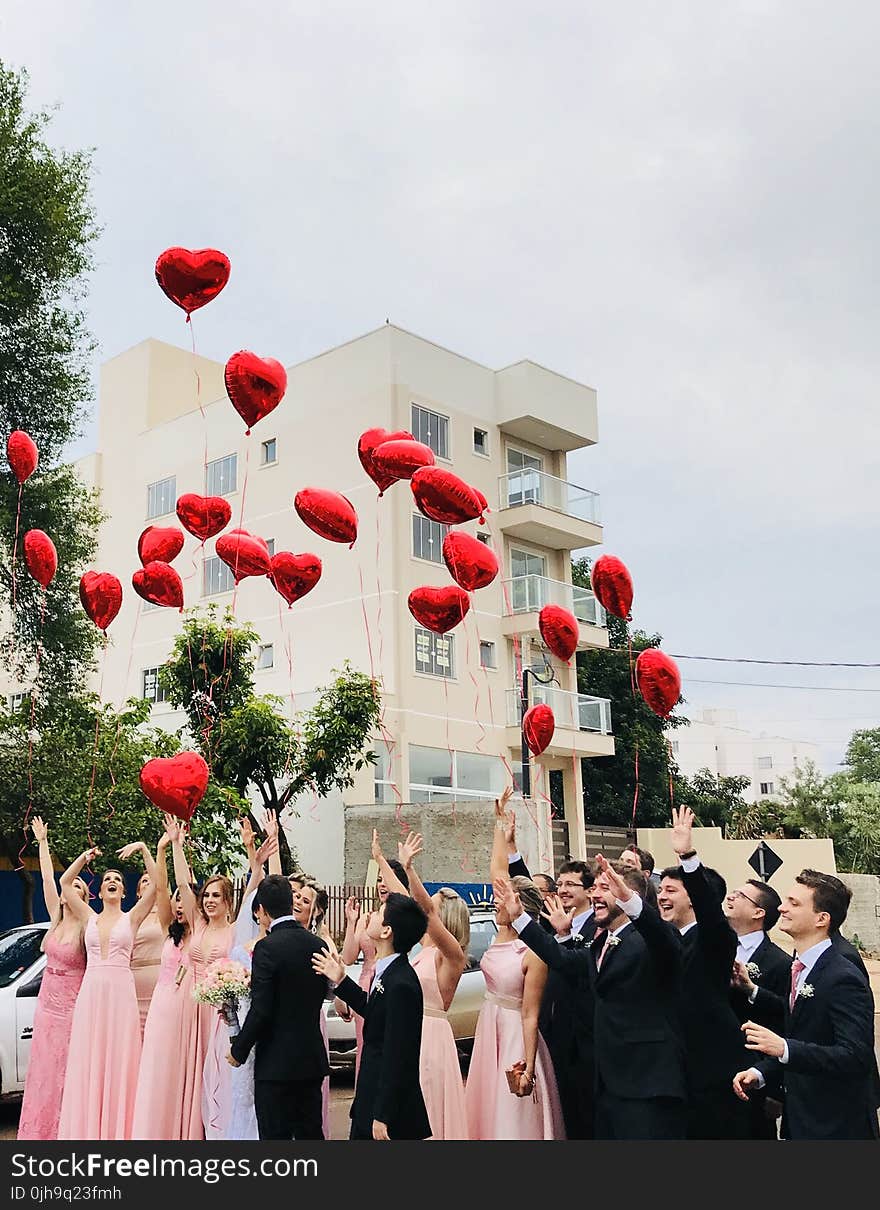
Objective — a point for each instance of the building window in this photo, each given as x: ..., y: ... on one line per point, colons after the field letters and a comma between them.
x: 487, y: 655
x: 266, y: 656
x: 431, y: 429
x: 14, y: 701
x: 269, y: 452
x: 765, y: 762
x: 161, y: 497
x: 436, y: 775
x: 483, y: 537
x: 216, y: 577
x: 152, y: 690
x: 481, y: 442
x: 675, y: 747
x: 435, y: 653
x: 383, y: 777
x: 221, y: 476
x: 766, y: 788
x: 428, y: 538
x: 270, y: 542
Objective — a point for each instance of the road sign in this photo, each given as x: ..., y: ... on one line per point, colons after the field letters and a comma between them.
x: 765, y: 862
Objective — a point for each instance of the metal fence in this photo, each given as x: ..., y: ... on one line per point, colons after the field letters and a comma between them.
x: 337, y: 897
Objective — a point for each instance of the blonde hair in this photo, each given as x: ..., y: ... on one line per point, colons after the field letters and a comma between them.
x: 455, y: 916
x: 227, y: 890
x: 529, y: 896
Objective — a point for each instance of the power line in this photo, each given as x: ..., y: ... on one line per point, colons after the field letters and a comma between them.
x: 693, y: 680
x: 729, y: 659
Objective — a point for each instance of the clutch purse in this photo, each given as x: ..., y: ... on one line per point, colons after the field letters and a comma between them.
x: 513, y: 1075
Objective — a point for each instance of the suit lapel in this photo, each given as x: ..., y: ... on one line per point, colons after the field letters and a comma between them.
x: 813, y: 978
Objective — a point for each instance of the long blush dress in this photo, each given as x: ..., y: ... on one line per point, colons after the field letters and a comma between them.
x: 146, y: 958
x: 439, y: 1071
x: 207, y: 946
x: 105, y: 1042
x: 158, y: 1107
x: 493, y: 1111
x: 53, y: 1020
x: 366, y: 978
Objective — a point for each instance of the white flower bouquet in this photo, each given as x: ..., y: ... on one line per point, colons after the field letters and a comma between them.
x: 224, y: 984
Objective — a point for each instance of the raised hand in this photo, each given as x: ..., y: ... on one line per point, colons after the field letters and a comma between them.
x: 266, y: 850
x: 376, y: 847
x: 510, y: 829
x: 763, y: 1040
x: 682, y: 824
x: 329, y: 965
x: 740, y: 978
x: 622, y: 892
x: 128, y: 851
x: 352, y: 910
x: 743, y: 1081
x: 507, y: 897
x: 90, y: 855
x: 409, y: 849
x: 39, y: 829
x: 560, y: 919
x: 271, y: 823
x: 501, y: 803
x: 247, y: 834
x: 172, y: 828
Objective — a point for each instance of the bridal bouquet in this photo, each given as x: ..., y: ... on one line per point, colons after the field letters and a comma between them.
x: 223, y: 986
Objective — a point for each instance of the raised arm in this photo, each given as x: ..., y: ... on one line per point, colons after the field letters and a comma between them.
x: 351, y: 943
x: 75, y: 905
x: 499, y: 865
x: 515, y: 864
x: 389, y: 877
x: 271, y: 826
x: 449, y: 947
x: 163, y: 898
x: 50, y: 891
x: 662, y: 940
x: 182, y: 879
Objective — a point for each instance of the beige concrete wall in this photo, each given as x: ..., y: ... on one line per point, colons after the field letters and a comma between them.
x: 863, y: 918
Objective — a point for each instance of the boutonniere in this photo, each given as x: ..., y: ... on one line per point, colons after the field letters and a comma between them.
x: 577, y: 939
x: 380, y: 990
x: 754, y: 971
x: 613, y: 941
x: 806, y: 991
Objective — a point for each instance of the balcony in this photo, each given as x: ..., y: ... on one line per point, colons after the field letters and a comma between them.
x: 583, y: 723
x: 526, y: 596
x: 539, y: 508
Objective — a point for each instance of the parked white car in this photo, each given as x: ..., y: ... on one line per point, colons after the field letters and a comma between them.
x: 466, y: 1004
x: 21, y: 973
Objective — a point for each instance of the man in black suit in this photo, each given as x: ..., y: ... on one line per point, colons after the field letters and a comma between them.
x: 824, y: 1056
x: 284, y: 1021
x: 761, y: 981
x: 388, y: 1101
x: 639, y: 1049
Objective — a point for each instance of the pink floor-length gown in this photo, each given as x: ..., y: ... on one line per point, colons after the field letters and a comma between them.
x: 366, y: 978
x: 53, y: 1020
x: 105, y: 1042
x: 493, y: 1111
x: 207, y: 946
x: 439, y: 1071
x: 146, y: 958
x: 158, y: 1107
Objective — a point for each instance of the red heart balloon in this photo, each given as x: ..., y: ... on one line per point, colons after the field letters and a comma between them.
x: 327, y: 513
x: 438, y: 609
x: 248, y: 534
x: 203, y: 516
x: 160, y: 544
x: 40, y: 556
x: 255, y: 385
x: 400, y: 459
x: 101, y: 596
x: 175, y: 784
x: 559, y: 630
x: 444, y: 497
x: 368, y: 442
x: 659, y: 680
x: 471, y: 564
x: 245, y: 554
x: 612, y: 585
x: 22, y: 454
x: 191, y: 279
x: 538, y: 726
x: 294, y: 575
x: 159, y: 584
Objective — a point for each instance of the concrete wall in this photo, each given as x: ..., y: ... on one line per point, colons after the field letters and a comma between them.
x: 863, y: 918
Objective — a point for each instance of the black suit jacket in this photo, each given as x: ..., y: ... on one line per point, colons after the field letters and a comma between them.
x: 284, y: 1020
x: 847, y: 950
x: 569, y: 1032
x: 388, y: 1088
x: 773, y: 984
x: 713, y: 1041
x: 830, y: 1035
x: 638, y: 1043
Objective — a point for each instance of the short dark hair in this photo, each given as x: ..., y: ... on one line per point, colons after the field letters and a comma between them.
x: 634, y: 879
x: 586, y: 871
x: 551, y: 883
x: 650, y: 892
x: 829, y: 895
x: 406, y: 920
x: 276, y: 896
x: 717, y: 885
x: 767, y: 900
x: 400, y: 872
x: 646, y: 859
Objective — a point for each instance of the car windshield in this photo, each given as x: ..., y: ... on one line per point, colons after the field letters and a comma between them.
x: 482, y: 935
x: 18, y: 950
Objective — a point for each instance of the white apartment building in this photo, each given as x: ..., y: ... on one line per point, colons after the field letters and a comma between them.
x: 715, y: 741
x: 451, y: 704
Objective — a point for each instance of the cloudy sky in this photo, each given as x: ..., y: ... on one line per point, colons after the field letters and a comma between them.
x: 674, y: 202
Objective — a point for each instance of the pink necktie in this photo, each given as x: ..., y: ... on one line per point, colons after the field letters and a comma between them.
x: 796, y: 967
x: 604, y: 951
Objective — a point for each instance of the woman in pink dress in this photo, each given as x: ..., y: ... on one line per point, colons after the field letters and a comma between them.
x: 146, y: 956
x: 439, y: 964
x: 159, y: 1100
x: 53, y: 1017
x: 507, y: 1031
x: 105, y: 1041
x: 209, y: 916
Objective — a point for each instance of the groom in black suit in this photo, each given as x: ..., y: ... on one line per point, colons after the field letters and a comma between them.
x: 284, y: 1021
x: 388, y: 1101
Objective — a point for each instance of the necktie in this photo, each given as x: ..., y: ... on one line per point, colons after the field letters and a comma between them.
x: 796, y: 967
x: 604, y: 951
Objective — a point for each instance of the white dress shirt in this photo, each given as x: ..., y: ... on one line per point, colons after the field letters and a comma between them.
x: 747, y: 944
x: 279, y: 920
x: 809, y: 958
x: 382, y: 965
x: 577, y: 923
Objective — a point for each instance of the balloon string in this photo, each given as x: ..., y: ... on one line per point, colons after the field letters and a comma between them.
x: 98, y: 713
x: 288, y: 651
x: 111, y: 808
x: 14, y: 560
x: 636, y: 792
x: 192, y: 332
x: 30, y: 765
x: 632, y: 681
x: 390, y: 743
x: 476, y: 684
x: 541, y: 794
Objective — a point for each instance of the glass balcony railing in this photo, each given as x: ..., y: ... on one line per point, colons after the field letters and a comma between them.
x: 575, y: 711
x: 528, y: 594
x: 536, y: 487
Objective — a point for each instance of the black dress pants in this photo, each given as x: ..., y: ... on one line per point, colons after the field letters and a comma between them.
x: 288, y: 1109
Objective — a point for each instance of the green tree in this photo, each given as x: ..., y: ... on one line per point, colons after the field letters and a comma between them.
x: 78, y: 767
x: 247, y: 739
x: 713, y: 799
x: 609, y: 781
x: 47, y: 229
x: 862, y: 760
